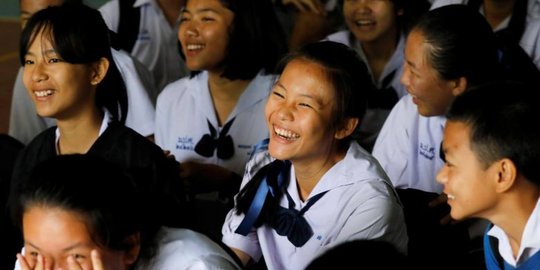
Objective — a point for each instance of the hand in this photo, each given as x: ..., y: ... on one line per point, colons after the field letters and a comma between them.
x: 72, y: 264
x: 31, y: 264
x: 314, y: 6
x: 95, y: 258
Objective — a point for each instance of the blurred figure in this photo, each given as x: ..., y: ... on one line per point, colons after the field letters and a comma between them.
x: 149, y: 28
x: 81, y: 212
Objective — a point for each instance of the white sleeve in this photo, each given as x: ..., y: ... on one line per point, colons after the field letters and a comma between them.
x: 392, y: 145
x: 110, y: 12
x: 141, y: 112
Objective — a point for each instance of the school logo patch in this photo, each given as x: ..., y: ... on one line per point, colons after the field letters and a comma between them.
x: 426, y: 150
x: 185, y: 143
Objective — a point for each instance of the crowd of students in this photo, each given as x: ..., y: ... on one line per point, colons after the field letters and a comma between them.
x: 205, y: 134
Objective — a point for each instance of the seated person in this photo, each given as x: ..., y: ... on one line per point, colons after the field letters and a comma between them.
x: 314, y: 187
x: 492, y: 151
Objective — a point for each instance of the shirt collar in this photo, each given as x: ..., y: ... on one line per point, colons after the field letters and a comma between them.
x: 530, y: 240
x: 104, y: 124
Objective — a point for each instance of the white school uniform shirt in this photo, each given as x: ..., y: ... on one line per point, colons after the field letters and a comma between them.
x: 185, y: 106
x: 530, y: 240
x: 372, y: 122
x: 408, y: 147
x: 25, y: 123
x: 180, y: 249
x: 530, y: 40
x: 360, y: 204
x: 156, y: 45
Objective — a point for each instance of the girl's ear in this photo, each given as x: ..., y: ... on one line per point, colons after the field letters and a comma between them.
x: 458, y: 86
x: 99, y: 71
x: 347, y: 128
x: 132, y: 253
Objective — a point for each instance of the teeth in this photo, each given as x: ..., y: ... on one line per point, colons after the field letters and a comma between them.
x: 450, y: 197
x: 43, y: 93
x: 364, y: 22
x: 287, y: 134
x: 192, y: 47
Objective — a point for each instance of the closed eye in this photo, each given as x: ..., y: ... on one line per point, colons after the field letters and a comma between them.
x: 277, y: 94
x: 55, y: 60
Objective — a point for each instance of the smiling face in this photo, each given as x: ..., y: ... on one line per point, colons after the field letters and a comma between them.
x: 431, y: 94
x: 57, y: 234
x: 371, y: 21
x: 59, y: 89
x: 468, y: 183
x: 204, y: 34
x: 300, y: 114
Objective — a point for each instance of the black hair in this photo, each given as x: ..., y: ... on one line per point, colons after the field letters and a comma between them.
x: 464, y: 47
x: 502, y: 119
x: 348, y: 75
x: 80, y: 36
x: 103, y: 194
x: 256, y: 42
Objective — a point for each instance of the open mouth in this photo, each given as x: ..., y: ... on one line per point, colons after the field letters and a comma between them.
x: 286, y: 134
x: 43, y: 93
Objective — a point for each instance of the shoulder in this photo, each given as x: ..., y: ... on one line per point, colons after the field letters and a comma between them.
x: 186, y: 249
x: 440, y: 3
x: 341, y: 37
x: 402, y: 113
x: 177, y: 89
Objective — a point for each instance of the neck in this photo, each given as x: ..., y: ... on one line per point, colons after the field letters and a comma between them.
x: 77, y: 135
x: 225, y: 94
x: 380, y: 51
x: 496, y: 11
x: 514, y: 214
x: 309, y: 172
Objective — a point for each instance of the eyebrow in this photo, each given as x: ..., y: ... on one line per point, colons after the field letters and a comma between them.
x: 76, y: 245
x: 318, y: 101
x: 410, y: 63
x: 186, y: 10
x: 47, y: 52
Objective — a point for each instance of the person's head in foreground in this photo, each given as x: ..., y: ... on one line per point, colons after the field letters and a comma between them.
x: 77, y: 212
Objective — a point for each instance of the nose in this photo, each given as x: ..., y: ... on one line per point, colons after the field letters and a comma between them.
x: 285, y: 112
x: 405, y: 77
x: 39, y: 73
x: 442, y: 175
